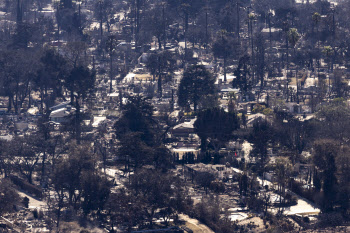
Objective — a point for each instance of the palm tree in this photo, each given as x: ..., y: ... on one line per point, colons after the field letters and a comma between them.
x: 111, y: 45
x: 185, y: 8
x: 270, y: 14
x: 223, y: 48
x: 316, y: 18
x: 285, y: 28
x: 328, y: 51
x: 293, y: 37
x: 251, y: 19
x: 232, y: 102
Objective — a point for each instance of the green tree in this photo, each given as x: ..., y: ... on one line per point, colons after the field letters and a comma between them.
x: 316, y: 18
x: 324, y: 156
x: 111, y: 45
x: 59, y: 185
x: 48, y: 146
x: 71, y: 22
x: 334, y: 119
x: 67, y: 176
x: 294, y: 135
x: 226, y: 19
x: 26, y: 155
x: 95, y: 191
x: 152, y: 65
x: 205, y: 179
x: 158, y: 22
x: 251, y: 19
x: 283, y: 170
x: 339, y: 84
x: 328, y: 52
x: 293, y: 37
x: 154, y: 191
x: 285, y: 28
x: 134, y: 152
x: 17, y: 72
x: 104, y: 11
x: 215, y: 125
x: 243, y: 80
x: 123, y: 207
x: 75, y: 54
x: 8, y: 196
x: 343, y: 175
x: 23, y: 35
x: 140, y: 137
x: 195, y: 83
x: 6, y: 165
x: 243, y: 184
x: 80, y: 83
x: 161, y: 63
x: 260, y: 59
x: 66, y: 3
x: 162, y: 158
x: 52, y: 71
x: 137, y: 118
x: 224, y: 47
x: 261, y: 136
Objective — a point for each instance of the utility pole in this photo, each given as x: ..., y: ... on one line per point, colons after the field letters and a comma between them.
x: 79, y: 14
x: 164, y: 24
x: 101, y: 29
x: 206, y: 27
x: 238, y: 18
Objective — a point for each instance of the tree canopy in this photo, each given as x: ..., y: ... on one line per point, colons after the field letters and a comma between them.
x: 215, y: 125
x: 196, y: 83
